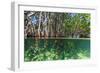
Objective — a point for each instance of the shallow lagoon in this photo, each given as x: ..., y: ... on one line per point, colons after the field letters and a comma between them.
x: 56, y: 49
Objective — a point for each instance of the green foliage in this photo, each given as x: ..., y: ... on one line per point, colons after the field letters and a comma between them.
x: 77, y: 24
x: 56, y: 24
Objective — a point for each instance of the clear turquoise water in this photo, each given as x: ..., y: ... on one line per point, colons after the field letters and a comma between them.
x: 65, y: 48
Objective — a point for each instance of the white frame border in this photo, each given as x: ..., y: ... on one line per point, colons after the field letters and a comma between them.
x: 15, y: 47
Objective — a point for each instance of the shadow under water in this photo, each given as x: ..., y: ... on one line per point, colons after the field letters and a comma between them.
x: 56, y: 49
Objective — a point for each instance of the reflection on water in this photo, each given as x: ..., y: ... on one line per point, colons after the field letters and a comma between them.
x: 56, y: 49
